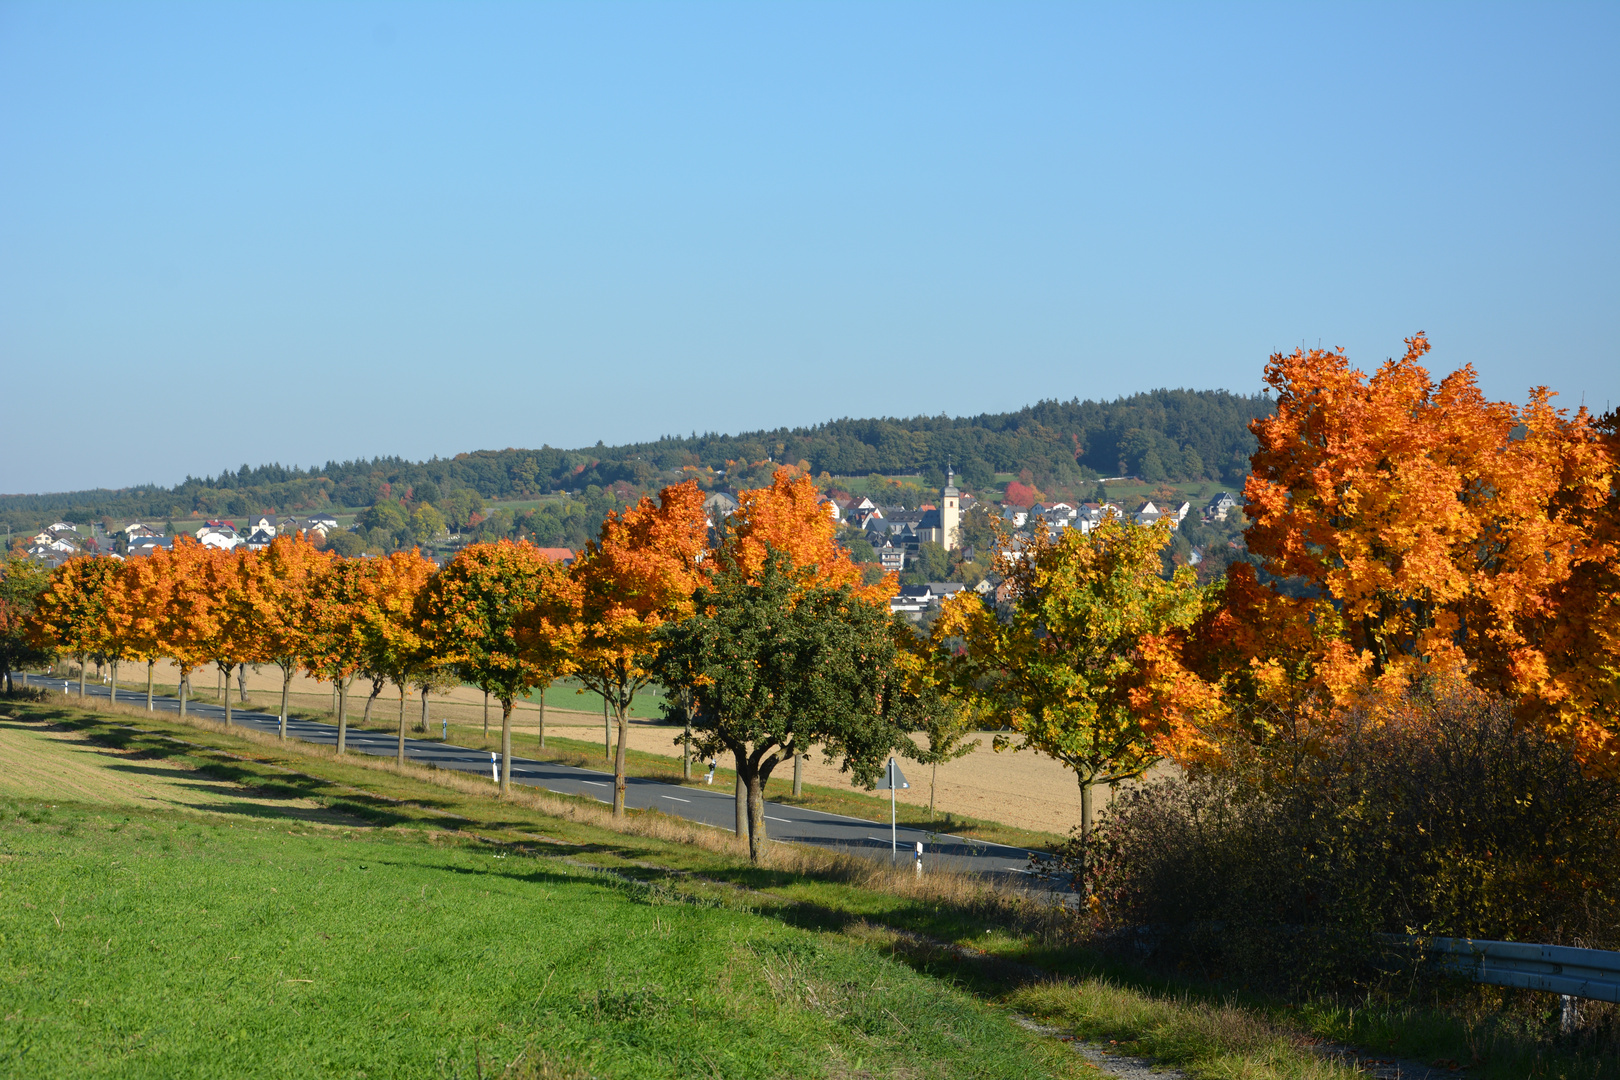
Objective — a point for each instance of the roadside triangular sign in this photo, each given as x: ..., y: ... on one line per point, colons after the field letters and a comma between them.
x: 892, y: 777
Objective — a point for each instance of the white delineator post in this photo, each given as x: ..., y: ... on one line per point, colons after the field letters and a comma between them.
x: 494, y: 767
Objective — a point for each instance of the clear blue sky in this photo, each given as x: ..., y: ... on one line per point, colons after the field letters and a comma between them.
x: 243, y: 233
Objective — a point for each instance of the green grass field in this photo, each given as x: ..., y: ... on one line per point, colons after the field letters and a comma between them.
x: 153, y: 945
x: 214, y: 903
x: 162, y: 944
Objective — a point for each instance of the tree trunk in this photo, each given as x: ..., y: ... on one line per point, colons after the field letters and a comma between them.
x: 376, y: 692
x: 486, y: 715
x: 1085, y: 834
x: 741, y: 796
x: 506, y: 745
x: 933, y: 776
x: 150, y: 664
x: 286, y: 689
x: 424, y: 708
x: 798, y: 774
x: 225, y: 691
x: 402, y: 723
x: 607, y: 732
x: 114, y: 693
x: 686, y: 752
x: 83, y: 663
x: 542, y: 718
x: 623, y: 710
x: 185, y: 678
x: 756, y: 817
x: 342, y: 689
x: 241, y: 682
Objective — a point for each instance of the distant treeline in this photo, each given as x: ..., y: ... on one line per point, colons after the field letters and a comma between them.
x: 1158, y: 435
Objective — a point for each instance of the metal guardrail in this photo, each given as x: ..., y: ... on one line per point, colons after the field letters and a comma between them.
x: 1593, y: 974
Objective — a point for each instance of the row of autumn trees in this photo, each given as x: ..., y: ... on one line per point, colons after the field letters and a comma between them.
x: 769, y: 639
x: 1410, y: 533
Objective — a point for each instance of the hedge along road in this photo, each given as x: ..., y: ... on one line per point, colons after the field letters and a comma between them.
x: 794, y: 824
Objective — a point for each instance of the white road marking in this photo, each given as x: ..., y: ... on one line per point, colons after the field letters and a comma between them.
x: 673, y: 798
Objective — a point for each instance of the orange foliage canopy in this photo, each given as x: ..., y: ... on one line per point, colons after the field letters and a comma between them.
x: 601, y: 622
x: 185, y: 622
x: 389, y: 626
x: 276, y: 599
x: 788, y: 517
x: 78, y: 610
x: 1447, y: 536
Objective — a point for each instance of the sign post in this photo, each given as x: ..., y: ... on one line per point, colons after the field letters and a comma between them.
x: 893, y: 779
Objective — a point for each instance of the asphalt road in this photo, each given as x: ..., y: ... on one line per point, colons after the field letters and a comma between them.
x: 717, y: 808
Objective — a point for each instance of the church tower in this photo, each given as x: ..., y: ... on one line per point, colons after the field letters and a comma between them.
x: 950, y: 511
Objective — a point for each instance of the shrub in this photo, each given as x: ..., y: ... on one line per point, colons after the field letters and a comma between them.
x: 1442, y: 818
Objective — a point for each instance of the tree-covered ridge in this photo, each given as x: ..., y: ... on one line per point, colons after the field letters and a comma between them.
x: 1160, y: 434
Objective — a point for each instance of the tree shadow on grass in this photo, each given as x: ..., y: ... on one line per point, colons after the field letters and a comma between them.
x: 307, y: 815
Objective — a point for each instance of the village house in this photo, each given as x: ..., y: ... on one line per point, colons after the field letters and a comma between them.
x: 890, y: 557
x: 142, y: 546
x: 1222, y: 504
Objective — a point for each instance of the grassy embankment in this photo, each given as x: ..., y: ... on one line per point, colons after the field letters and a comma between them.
x: 441, y: 930
x: 228, y: 938
x: 588, y: 753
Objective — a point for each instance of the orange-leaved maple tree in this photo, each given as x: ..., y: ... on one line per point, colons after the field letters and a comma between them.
x: 276, y: 614
x: 185, y: 623
x: 1445, y: 531
x: 788, y: 517
x: 145, y: 598
x: 73, y: 613
x: 639, y: 574
x: 469, y: 614
x: 782, y: 533
x: 333, y: 645
x: 389, y: 627
x: 228, y: 574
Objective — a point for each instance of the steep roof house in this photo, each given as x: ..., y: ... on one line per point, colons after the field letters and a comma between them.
x: 1222, y: 504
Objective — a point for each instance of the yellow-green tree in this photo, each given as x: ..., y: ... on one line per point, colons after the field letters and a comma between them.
x: 469, y: 614
x: 21, y: 582
x: 389, y: 626
x: 1083, y: 665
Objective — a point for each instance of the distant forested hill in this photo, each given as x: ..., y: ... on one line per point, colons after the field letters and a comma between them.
x: 1159, y: 435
